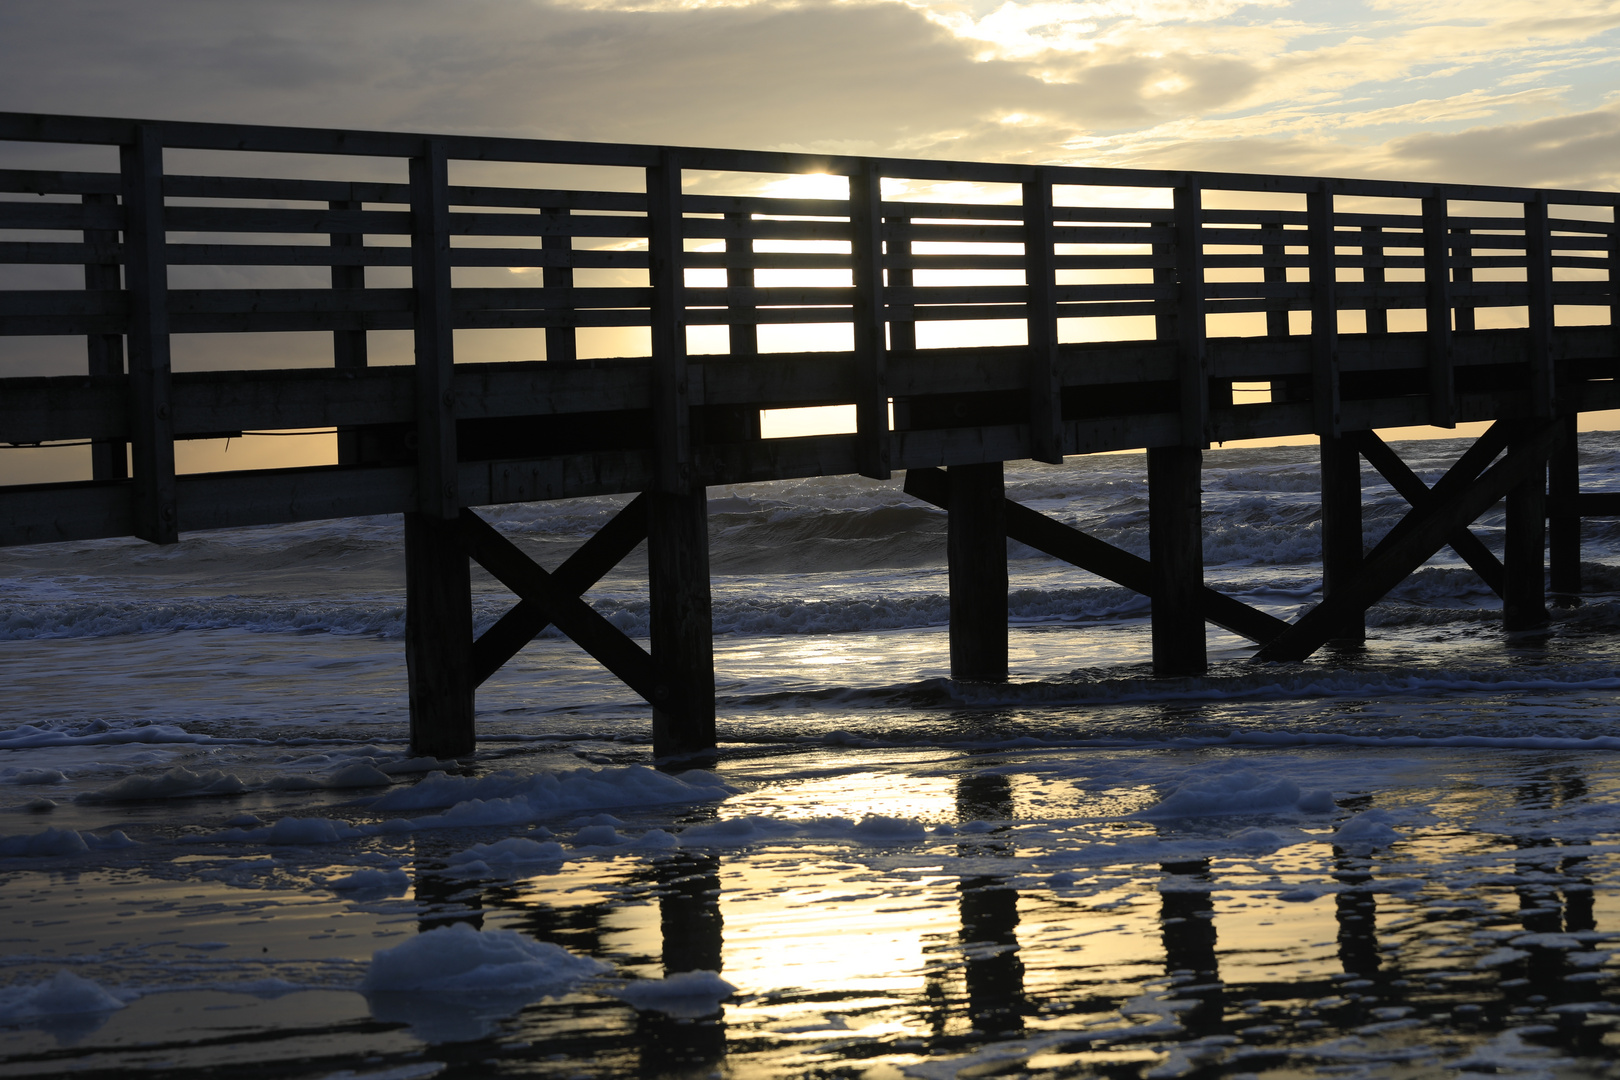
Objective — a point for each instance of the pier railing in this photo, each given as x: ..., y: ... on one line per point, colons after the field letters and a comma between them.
x: 1129, y: 304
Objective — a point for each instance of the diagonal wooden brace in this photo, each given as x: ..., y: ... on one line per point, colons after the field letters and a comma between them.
x: 1463, y: 472
x: 1426, y: 531
x: 1407, y: 484
x: 573, y: 616
x: 584, y: 568
x: 1102, y: 558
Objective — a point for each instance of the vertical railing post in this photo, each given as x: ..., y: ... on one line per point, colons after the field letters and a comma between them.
x: 870, y: 315
x: 1437, y: 264
x: 438, y: 591
x: 741, y: 295
x: 348, y: 346
x: 437, y: 494
x: 1462, y: 273
x: 1275, y: 251
x: 898, y: 286
x: 151, y: 423
x: 1322, y: 244
x: 1614, y: 290
x: 1190, y: 329
x: 104, y: 352
x: 1372, y: 255
x: 672, y: 414
x: 1040, y: 279
x: 1538, y: 281
x: 558, y: 273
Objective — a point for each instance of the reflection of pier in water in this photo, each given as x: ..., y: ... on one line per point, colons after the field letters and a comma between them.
x: 994, y: 980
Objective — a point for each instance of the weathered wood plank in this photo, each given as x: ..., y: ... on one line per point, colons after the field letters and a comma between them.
x: 1193, y: 378
x: 1045, y: 389
x: 1324, y: 316
x: 1538, y: 276
x: 104, y: 352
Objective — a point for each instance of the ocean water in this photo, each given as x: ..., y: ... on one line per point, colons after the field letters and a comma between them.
x: 217, y: 855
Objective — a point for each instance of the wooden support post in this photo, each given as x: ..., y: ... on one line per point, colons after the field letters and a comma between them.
x: 976, y: 546
x: 348, y: 346
x: 1539, y: 279
x: 558, y: 273
x: 1324, y: 312
x: 438, y: 636
x: 1040, y: 278
x: 104, y: 352
x: 1437, y: 272
x: 1372, y: 254
x: 146, y: 276
x: 1190, y: 330
x: 869, y: 315
x: 1564, y: 517
x: 1524, y: 594
x: 901, y: 280
x: 741, y: 296
x: 671, y: 404
x: 1176, y: 551
x: 1341, y: 525
x: 1614, y: 292
x: 1100, y: 557
x: 436, y: 488
x: 682, y: 622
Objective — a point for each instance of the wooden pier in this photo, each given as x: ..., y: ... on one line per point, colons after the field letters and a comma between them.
x: 1147, y: 310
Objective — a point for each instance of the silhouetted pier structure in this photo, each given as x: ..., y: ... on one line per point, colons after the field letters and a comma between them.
x: 1334, y: 307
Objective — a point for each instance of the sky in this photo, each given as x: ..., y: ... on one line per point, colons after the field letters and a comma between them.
x: 1503, y: 91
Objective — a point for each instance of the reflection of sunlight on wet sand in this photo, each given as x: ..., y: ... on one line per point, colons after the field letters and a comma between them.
x: 856, y: 795
x: 816, y: 926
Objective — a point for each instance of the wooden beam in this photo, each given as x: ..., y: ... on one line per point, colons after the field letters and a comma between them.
x: 671, y: 402
x: 606, y: 548
x: 976, y: 550
x: 1100, y: 557
x: 682, y: 622
x: 870, y: 318
x: 1410, y: 487
x: 436, y: 490
x: 105, y: 352
x: 151, y: 418
x: 1563, y: 514
x: 1176, y: 550
x: 1321, y: 248
x: 586, y: 627
x: 1040, y: 276
x: 902, y: 262
x: 1524, y: 544
x: 438, y: 637
x: 1388, y: 565
x: 1342, y: 551
x: 1439, y: 257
